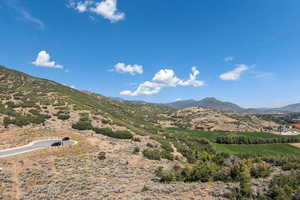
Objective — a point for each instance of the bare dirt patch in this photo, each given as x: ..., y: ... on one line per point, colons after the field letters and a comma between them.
x: 296, y: 145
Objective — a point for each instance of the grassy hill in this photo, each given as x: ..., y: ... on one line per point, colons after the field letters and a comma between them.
x: 39, y: 100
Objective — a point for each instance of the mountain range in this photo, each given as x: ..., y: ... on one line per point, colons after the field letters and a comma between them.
x: 214, y: 103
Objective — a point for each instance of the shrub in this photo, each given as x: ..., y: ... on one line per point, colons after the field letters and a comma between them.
x: 260, y: 170
x: 34, y: 112
x: 103, y: 131
x: 23, y: 120
x: 136, y: 139
x: 123, y: 135
x: 167, y: 155
x: 28, y: 104
x: 166, y: 177
x: 63, y: 116
x: 152, y: 155
x: 6, y: 121
x: 101, y: 156
x: 83, y: 125
x: 105, y: 121
x: 145, y: 189
x: 136, y: 150
x: 110, y: 133
x: 150, y: 145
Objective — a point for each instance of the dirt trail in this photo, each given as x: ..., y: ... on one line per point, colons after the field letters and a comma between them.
x: 15, y: 170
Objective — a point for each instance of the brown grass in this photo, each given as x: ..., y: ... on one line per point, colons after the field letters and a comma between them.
x: 296, y: 145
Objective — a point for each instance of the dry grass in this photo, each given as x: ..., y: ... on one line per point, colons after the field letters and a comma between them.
x: 296, y: 145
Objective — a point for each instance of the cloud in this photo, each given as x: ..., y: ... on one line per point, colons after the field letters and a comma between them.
x: 265, y: 75
x: 32, y: 19
x: 82, y: 6
x: 44, y: 60
x: 193, y: 79
x: 234, y: 74
x: 106, y: 8
x: 131, y: 69
x: 146, y: 88
x: 229, y: 58
x: 164, y: 78
x: 24, y: 13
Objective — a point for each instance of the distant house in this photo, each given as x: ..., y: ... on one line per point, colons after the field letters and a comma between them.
x: 297, y: 125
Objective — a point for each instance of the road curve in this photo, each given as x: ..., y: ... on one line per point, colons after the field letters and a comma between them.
x: 33, y: 146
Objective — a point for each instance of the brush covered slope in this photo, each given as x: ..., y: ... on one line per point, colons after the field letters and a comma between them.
x: 30, y: 101
x: 200, y: 118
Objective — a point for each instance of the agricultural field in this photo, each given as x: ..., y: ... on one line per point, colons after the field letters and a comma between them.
x: 272, y: 149
x: 258, y: 149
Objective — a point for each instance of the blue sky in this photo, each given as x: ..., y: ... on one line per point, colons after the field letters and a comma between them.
x: 244, y: 51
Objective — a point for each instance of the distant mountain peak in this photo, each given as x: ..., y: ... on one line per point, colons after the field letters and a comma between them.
x: 209, y: 102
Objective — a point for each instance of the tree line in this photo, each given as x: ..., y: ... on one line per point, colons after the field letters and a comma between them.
x: 255, y: 140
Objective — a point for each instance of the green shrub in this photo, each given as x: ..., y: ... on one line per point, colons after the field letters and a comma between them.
x: 260, y: 170
x: 123, y: 135
x: 83, y: 125
x: 34, y: 112
x: 167, y: 155
x: 150, y: 145
x: 152, y: 154
x: 28, y: 104
x: 105, y: 121
x: 101, y: 156
x: 110, y: 133
x: 23, y: 120
x: 136, y: 150
x: 145, y: 189
x: 136, y: 139
x: 63, y: 116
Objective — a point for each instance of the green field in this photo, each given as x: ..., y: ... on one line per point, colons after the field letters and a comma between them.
x: 212, y: 135
x: 259, y: 149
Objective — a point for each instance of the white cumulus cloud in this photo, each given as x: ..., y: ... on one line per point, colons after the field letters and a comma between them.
x: 235, y: 73
x: 164, y: 78
x: 106, y: 8
x: 192, y: 81
x: 44, y: 60
x: 131, y: 69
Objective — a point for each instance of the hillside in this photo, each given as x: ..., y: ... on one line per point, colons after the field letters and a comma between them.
x: 209, y: 102
x: 27, y: 100
x: 216, y: 104
x: 200, y: 118
x: 291, y: 108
